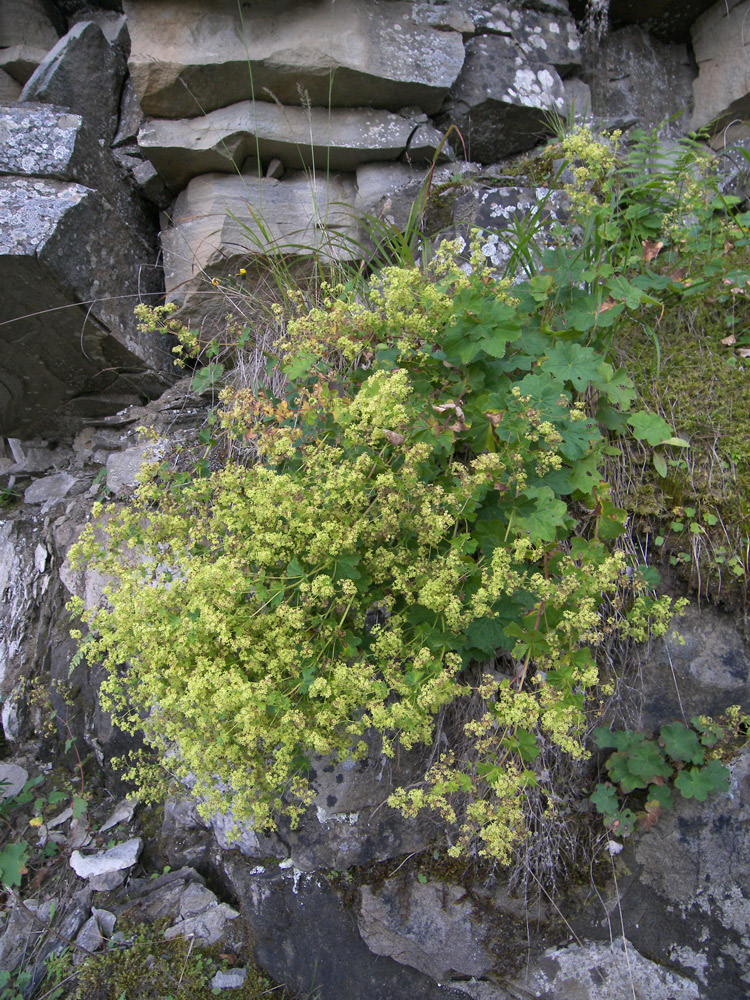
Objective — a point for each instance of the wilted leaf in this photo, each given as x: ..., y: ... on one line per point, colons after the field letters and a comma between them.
x: 394, y: 437
x: 495, y: 418
x: 728, y: 341
x: 652, y: 249
x: 609, y: 303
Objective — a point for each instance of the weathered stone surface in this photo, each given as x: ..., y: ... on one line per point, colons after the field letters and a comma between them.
x: 611, y: 971
x: 305, y: 937
x: 221, y: 223
x: 230, y: 980
x: 429, y: 927
x: 634, y: 75
x: 684, y: 891
x: 130, y: 116
x: 28, y: 30
x: 82, y: 72
x: 501, y: 99
x: 335, y: 139
x: 191, y: 57
x: 551, y: 39
x: 669, y: 19
x: 123, y: 467
x: 722, y: 51
x: 201, y: 915
x: 701, y: 668
x: 61, y: 245
x: 10, y: 89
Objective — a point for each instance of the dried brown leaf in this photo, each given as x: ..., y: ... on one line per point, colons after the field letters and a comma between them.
x: 728, y: 341
x: 652, y: 249
x: 394, y: 437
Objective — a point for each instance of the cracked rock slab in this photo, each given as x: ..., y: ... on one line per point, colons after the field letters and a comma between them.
x: 193, y: 56
x: 332, y: 139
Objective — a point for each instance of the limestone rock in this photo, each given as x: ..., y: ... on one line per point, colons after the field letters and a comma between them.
x: 82, y: 72
x: 116, y: 859
x: 336, y: 139
x: 123, y: 467
x: 49, y: 488
x: 28, y: 30
x: 429, y: 927
x: 221, y: 223
x: 634, y: 75
x: 611, y: 971
x: 500, y: 101
x: 722, y: 48
x: 12, y: 779
x: 230, y: 980
x: 193, y: 56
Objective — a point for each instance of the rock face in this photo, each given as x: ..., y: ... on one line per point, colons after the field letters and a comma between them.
x: 722, y: 89
x: 303, y: 936
x: 701, y: 668
x: 76, y: 250
x: 635, y: 76
x: 190, y: 58
x: 684, y: 889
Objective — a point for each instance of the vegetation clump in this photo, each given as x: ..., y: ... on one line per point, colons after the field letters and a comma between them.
x: 420, y: 519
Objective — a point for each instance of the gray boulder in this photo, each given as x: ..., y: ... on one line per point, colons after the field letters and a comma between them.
x: 550, y: 39
x: 634, y: 75
x: 336, y: 139
x: 722, y: 88
x: 501, y: 100
x: 85, y: 73
x: 192, y: 56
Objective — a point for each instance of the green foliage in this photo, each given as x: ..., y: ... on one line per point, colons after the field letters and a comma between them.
x: 422, y: 518
x: 427, y: 494
x: 678, y: 757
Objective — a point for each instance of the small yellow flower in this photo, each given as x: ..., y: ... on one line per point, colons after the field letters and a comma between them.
x: 215, y: 282
x: 242, y: 272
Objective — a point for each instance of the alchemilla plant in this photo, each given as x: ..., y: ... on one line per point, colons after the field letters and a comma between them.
x: 423, y: 523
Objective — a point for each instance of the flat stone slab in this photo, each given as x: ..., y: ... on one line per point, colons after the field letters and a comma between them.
x: 722, y: 87
x: 221, y: 223
x: 326, y: 139
x: 115, y: 859
x: 193, y: 56
x: 12, y: 779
